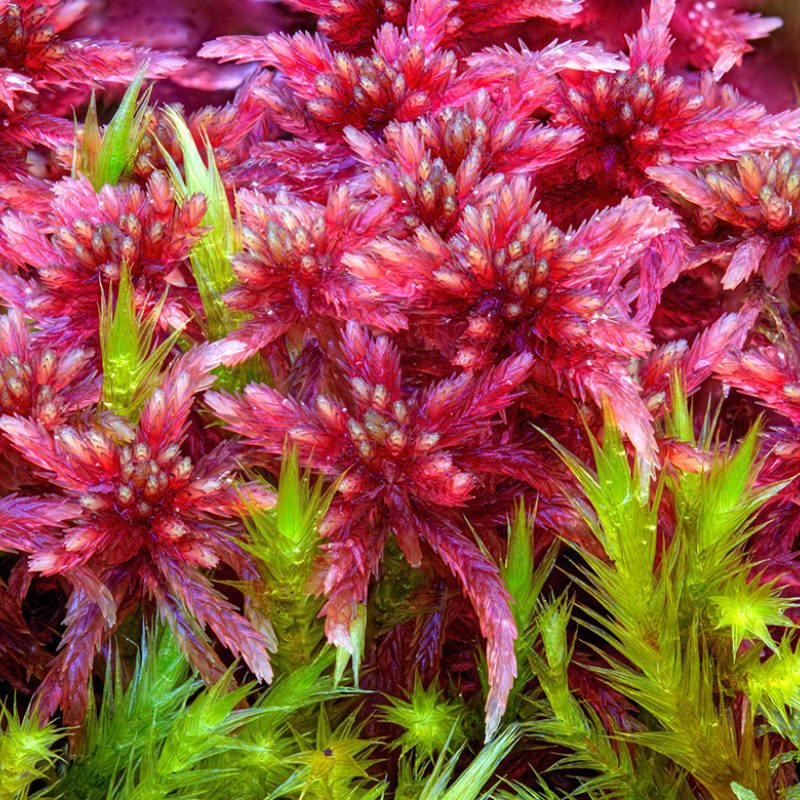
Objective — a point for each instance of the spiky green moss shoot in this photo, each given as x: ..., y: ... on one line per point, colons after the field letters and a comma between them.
x: 284, y: 541
x: 27, y: 752
x: 106, y: 156
x: 663, y: 607
x: 429, y: 721
x: 210, y: 258
x: 131, y: 365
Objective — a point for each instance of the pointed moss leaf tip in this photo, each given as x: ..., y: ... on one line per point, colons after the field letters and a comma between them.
x: 131, y: 364
x: 679, y: 415
x: 525, y: 579
x: 210, y: 258
x: 106, y: 156
x: 518, y: 570
x: 523, y: 576
x: 445, y: 781
x: 742, y: 793
x: 353, y: 650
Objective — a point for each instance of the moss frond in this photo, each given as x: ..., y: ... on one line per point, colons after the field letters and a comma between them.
x: 158, y: 736
x: 335, y: 766
x: 210, y: 258
x: 284, y: 541
x: 27, y: 752
x: 131, y: 365
x: 525, y: 581
x: 670, y: 608
x: 106, y: 156
x: 429, y: 721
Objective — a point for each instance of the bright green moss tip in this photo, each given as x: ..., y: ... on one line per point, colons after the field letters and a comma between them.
x: 106, y: 156
x: 429, y: 722
x: 210, y: 258
x: 284, y: 541
x: 27, y: 752
x: 131, y: 365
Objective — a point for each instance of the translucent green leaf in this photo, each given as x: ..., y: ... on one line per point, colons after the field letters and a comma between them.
x: 131, y: 365
x: 27, y: 752
x: 106, y: 157
x: 472, y: 780
x: 742, y: 793
x: 355, y: 649
x: 210, y: 257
